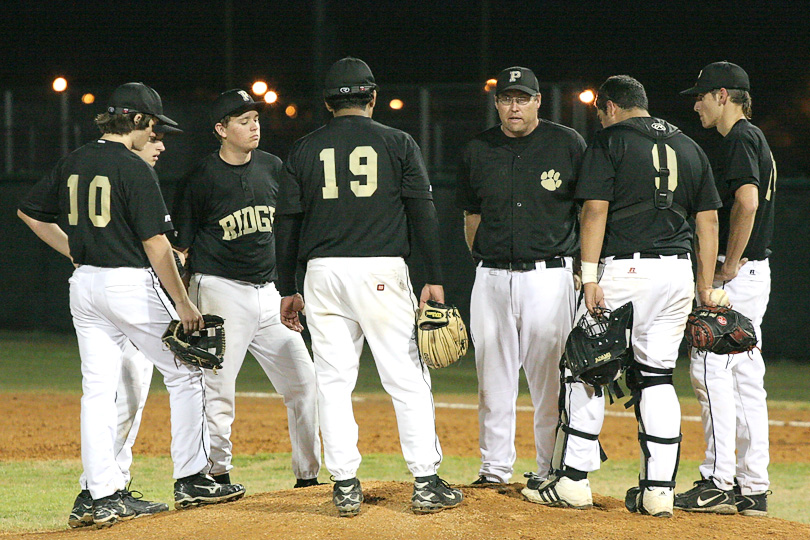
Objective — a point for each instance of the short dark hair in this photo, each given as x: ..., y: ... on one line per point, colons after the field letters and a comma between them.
x: 352, y: 101
x: 740, y: 97
x: 623, y: 90
x: 121, y: 124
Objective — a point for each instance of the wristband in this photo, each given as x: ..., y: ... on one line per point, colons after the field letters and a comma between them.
x: 589, y: 272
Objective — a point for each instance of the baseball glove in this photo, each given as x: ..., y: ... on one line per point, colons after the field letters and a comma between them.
x: 441, y: 334
x: 720, y: 330
x: 204, y: 348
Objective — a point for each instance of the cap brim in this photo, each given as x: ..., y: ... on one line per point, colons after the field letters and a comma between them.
x: 520, y: 87
x: 694, y: 91
x: 166, y: 120
x: 165, y: 128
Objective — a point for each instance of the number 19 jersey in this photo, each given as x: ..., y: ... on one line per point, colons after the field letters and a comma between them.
x: 107, y: 200
x: 349, y: 178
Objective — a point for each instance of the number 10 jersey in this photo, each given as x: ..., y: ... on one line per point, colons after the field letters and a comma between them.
x: 107, y: 200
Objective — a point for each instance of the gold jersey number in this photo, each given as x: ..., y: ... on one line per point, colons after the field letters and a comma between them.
x: 98, y: 200
x: 362, y: 162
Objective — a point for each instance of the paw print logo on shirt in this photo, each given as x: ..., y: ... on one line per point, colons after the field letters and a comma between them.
x: 550, y: 180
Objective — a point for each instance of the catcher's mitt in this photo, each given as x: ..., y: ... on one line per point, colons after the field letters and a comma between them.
x: 204, y: 348
x: 720, y: 330
x: 597, y: 348
x: 441, y: 334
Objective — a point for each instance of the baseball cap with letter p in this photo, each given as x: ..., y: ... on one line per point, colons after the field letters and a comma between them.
x: 719, y: 75
x: 136, y: 97
x: 517, y: 78
x: 348, y: 76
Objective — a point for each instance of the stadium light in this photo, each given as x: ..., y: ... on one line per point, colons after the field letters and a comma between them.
x: 270, y: 97
x: 396, y: 104
x: 587, y: 96
x: 59, y: 84
x: 88, y: 99
x: 259, y: 88
x: 490, y: 85
x: 291, y: 110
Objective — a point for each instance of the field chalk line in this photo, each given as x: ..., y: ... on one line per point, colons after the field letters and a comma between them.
x: 473, y: 407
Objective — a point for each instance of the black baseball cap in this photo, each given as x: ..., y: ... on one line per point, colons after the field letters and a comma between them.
x: 517, y: 78
x: 233, y: 103
x: 348, y: 76
x: 136, y: 97
x: 719, y: 75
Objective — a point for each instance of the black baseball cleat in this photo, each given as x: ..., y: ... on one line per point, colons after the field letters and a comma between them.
x: 347, y: 496
x: 82, y: 513
x: 199, y: 489
x: 752, y: 505
x: 307, y: 482
x: 107, y: 511
x: 432, y: 494
x: 706, y: 497
x: 486, y: 481
x: 142, y: 507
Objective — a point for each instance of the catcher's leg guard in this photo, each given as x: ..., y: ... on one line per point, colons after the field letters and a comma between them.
x: 567, y: 485
x: 572, y: 390
x: 658, y: 414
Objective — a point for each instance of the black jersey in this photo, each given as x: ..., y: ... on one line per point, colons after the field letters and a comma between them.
x: 107, y: 200
x: 349, y: 178
x: 523, y: 187
x: 621, y: 166
x: 224, y: 214
x: 746, y: 158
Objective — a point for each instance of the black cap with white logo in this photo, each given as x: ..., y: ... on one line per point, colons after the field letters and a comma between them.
x: 136, y: 97
x: 517, y: 78
x: 233, y: 103
x: 719, y: 75
x: 348, y: 76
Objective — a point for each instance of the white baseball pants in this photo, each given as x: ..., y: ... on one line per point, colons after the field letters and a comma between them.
x: 519, y: 320
x: 109, y: 307
x: 661, y: 291
x: 252, y: 322
x: 731, y: 392
x: 349, y: 299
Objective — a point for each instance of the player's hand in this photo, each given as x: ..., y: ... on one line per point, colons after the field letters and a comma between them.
x: 290, y: 306
x: 594, y: 297
x: 726, y: 272
x: 431, y: 292
x: 577, y: 282
x: 189, y: 316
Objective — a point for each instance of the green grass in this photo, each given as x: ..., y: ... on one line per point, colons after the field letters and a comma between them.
x: 51, y: 486
x: 31, y: 354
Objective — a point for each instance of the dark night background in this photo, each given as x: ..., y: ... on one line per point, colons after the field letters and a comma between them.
x: 191, y: 51
x: 181, y: 46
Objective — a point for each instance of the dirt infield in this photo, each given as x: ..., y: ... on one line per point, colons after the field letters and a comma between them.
x: 46, y: 427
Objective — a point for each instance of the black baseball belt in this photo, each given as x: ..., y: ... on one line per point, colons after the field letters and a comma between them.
x: 524, y: 266
x: 648, y: 256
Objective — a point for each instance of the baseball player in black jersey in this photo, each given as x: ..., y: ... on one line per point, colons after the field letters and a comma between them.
x: 640, y: 180
x: 516, y: 187
x: 731, y: 389
x: 348, y: 194
x: 224, y: 218
x: 133, y: 388
x: 109, y: 202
